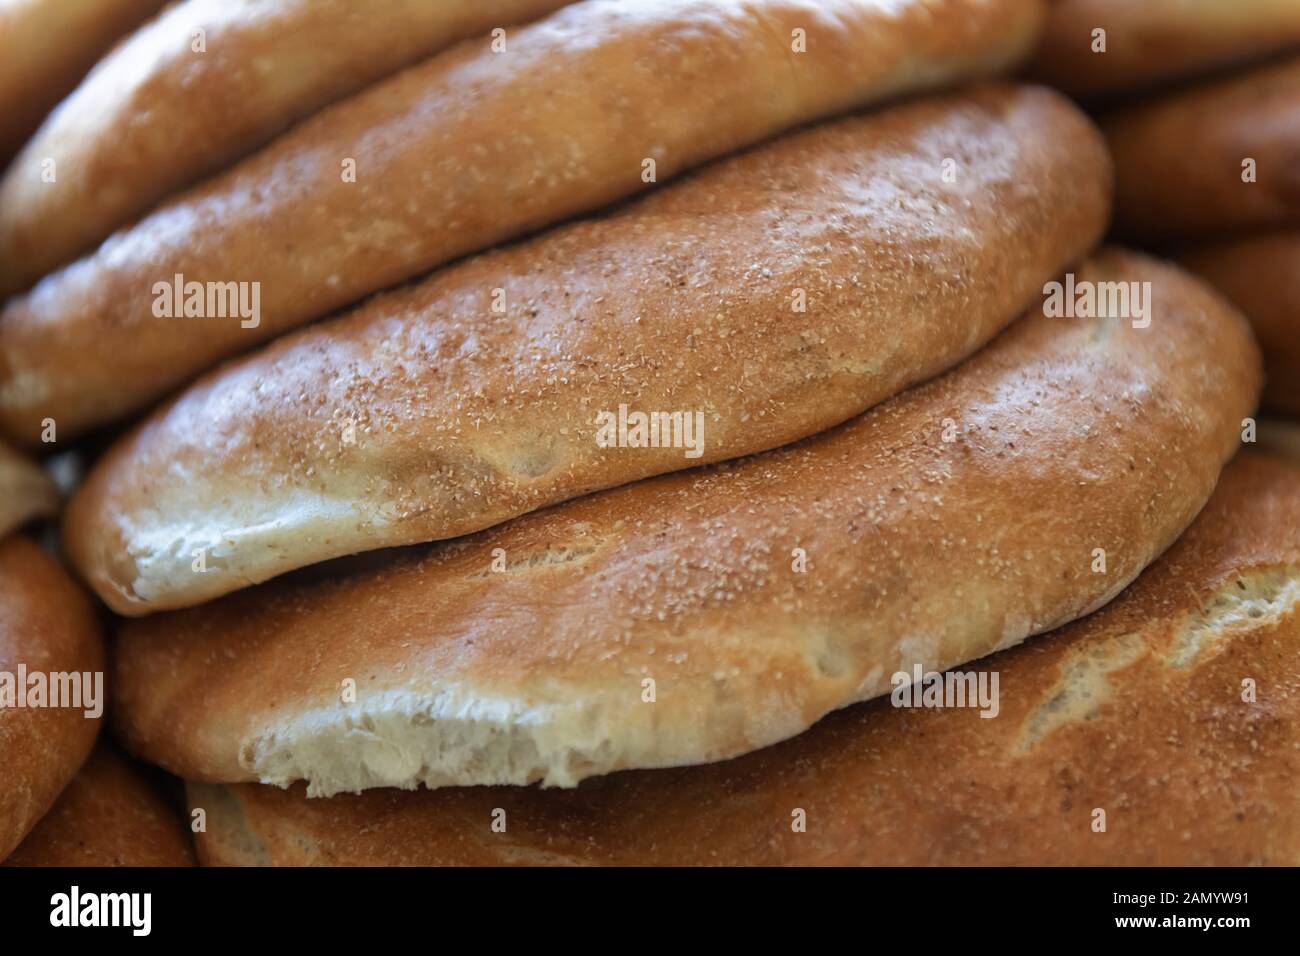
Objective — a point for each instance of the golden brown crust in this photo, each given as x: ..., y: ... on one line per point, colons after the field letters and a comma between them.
x: 684, y: 301
x: 465, y: 150
x: 1261, y: 275
x: 26, y: 491
x: 1155, y: 41
x: 466, y: 675
x: 1186, y: 770
x: 46, y: 625
x: 111, y: 814
x: 1179, y: 157
x: 157, y: 115
x: 46, y: 47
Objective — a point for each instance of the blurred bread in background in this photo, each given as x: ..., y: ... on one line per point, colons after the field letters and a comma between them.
x: 46, y: 48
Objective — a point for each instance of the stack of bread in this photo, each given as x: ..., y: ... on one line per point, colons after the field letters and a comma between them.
x: 588, y: 433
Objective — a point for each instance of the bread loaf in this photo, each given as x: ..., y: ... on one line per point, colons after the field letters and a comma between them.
x: 110, y: 815
x: 465, y: 150
x: 1171, y: 718
x: 47, y: 629
x: 696, y: 616
x: 771, y: 296
x: 201, y: 86
x: 46, y: 47
x: 1213, y: 159
x: 1261, y: 275
x: 1150, y: 42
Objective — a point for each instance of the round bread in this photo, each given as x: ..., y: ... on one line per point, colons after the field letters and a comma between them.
x: 453, y: 155
x: 46, y: 47
x: 772, y: 296
x: 199, y: 87
x: 111, y: 814
x: 696, y: 616
x: 47, y: 628
x: 1181, y: 160
x: 26, y: 491
x: 1261, y: 275
x: 1149, y: 42
x: 1140, y: 711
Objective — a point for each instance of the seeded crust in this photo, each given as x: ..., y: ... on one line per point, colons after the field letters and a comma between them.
x: 46, y: 623
x: 46, y: 47
x: 918, y: 550
x: 156, y: 116
x: 1261, y: 275
x: 1150, y: 42
x: 424, y: 415
x: 468, y: 149
x: 1178, y: 157
x: 1136, y: 710
x: 26, y: 492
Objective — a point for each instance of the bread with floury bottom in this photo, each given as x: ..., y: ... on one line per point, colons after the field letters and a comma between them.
x: 51, y: 684
x: 1162, y: 730
x: 600, y: 101
x: 26, y: 491
x: 199, y: 87
x: 1153, y: 42
x: 766, y: 298
x: 697, y: 616
x: 111, y: 814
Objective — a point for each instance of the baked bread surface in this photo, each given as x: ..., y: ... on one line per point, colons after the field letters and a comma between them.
x: 769, y: 297
x: 754, y: 596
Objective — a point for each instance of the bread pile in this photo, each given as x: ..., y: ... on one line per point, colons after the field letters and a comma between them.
x: 675, y: 432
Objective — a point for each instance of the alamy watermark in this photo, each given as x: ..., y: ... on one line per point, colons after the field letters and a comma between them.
x: 179, y: 299
x: 631, y: 429
x: 1098, y: 300
x: 74, y: 690
x: 931, y: 689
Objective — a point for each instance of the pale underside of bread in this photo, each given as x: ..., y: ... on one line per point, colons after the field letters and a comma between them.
x: 46, y: 47
x: 1155, y: 41
x: 26, y: 491
x: 1261, y: 276
x: 1181, y: 158
x: 433, y: 668
x: 47, y: 625
x: 1139, y: 711
x: 471, y: 148
x: 199, y: 87
x: 111, y: 814
x: 767, y: 298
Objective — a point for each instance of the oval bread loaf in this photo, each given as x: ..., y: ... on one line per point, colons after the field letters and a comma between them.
x: 47, y: 628
x: 771, y: 296
x: 46, y: 48
x: 111, y: 814
x: 1155, y: 41
x: 1142, y: 710
x: 199, y: 87
x: 1213, y: 159
x: 1261, y: 275
x: 470, y: 148
x: 697, y: 616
